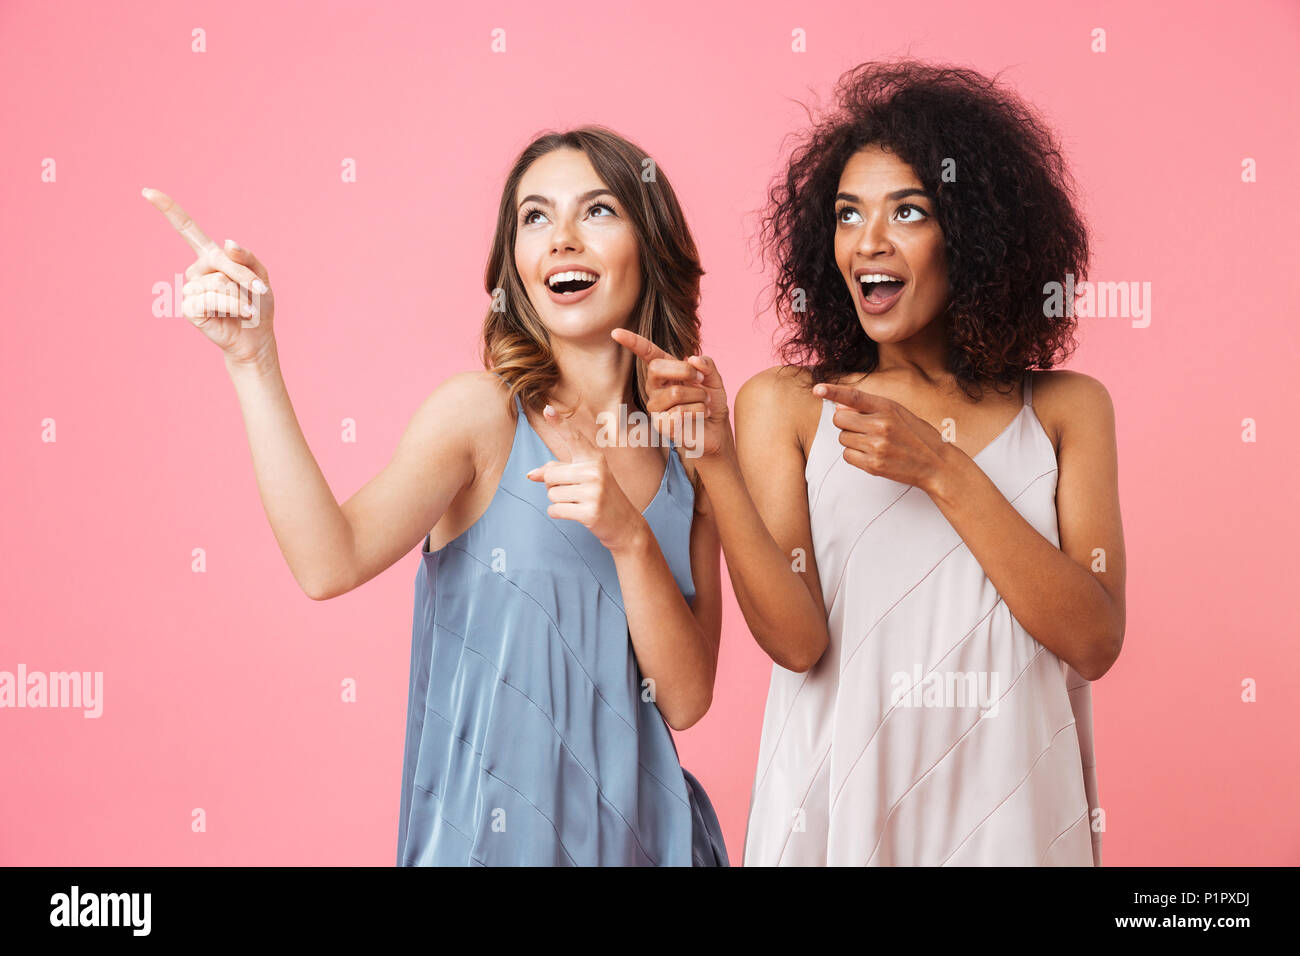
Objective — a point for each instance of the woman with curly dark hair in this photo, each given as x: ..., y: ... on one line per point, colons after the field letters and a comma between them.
x: 922, y: 532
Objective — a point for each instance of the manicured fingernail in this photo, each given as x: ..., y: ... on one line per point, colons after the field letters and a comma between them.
x: 259, y: 287
x: 231, y: 244
x: 699, y: 376
x: 247, y: 310
x: 548, y: 410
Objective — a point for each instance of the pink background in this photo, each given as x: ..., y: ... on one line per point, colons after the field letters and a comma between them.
x: 222, y: 690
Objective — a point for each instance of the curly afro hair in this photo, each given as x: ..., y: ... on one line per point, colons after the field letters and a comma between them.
x: 1009, y: 221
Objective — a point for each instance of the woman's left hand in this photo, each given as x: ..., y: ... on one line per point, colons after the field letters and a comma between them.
x: 583, y: 488
x: 883, y: 438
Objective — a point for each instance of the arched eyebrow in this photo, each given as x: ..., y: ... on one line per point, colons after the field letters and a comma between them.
x: 543, y: 201
x: 896, y: 194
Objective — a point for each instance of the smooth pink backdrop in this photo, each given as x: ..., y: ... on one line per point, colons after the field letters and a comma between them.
x: 222, y: 689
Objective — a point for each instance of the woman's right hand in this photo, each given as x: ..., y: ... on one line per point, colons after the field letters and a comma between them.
x: 677, y: 388
x: 227, y: 294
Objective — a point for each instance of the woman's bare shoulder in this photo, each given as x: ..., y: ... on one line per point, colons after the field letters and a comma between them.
x: 477, y: 397
x: 1067, y: 401
x: 782, y: 396
x: 466, y: 410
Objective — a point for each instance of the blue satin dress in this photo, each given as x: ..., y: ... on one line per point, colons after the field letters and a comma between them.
x: 528, y: 741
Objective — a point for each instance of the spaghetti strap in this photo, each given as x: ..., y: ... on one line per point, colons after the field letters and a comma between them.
x: 519, y: 405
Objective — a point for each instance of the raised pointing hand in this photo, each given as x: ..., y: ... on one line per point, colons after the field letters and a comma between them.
x: 227, y: 294
x: 676, y: 388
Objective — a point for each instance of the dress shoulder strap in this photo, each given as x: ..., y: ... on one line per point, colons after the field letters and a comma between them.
x: 1029, y: 388
x: 519, y: 405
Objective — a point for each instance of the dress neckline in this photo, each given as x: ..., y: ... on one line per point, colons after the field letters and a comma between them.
x: 1010, y: 425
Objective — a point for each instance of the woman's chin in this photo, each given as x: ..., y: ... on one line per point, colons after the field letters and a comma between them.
x: 883, y: 328
x: 581, y: 323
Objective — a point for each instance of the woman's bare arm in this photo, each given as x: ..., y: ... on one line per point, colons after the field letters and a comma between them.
x: 1070, y: 599
x: 706, y: 576
x: 331, y: 549
x: 760, y: 495
x: 676, y: 643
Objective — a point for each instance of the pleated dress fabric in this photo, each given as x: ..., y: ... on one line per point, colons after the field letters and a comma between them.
x: 529, y: 741
x: 934, y: 730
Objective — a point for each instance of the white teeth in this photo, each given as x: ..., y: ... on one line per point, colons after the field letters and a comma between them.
x: 877, y: 277
x: 569, y: 277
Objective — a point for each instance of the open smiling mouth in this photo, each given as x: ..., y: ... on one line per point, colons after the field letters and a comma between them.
x: 879, y: 292
x: 571, y: 286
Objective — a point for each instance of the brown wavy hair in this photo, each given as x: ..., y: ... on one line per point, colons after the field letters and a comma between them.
x: 517, y: 345
x: 1010, y: 221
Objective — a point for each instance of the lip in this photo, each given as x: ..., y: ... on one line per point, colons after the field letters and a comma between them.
x: 569, y: 267
x: 875, y: 270
x: 884, y: 305
x: 570, y: 298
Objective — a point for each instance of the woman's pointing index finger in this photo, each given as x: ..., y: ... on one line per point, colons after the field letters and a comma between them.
x: 639, y: 344
x: 181, y: 220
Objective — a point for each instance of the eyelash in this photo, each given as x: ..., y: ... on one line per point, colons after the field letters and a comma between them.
x: 529, y: 210
x: 839, y: 213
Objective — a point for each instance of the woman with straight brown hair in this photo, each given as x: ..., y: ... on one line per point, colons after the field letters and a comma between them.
x: 567, y: 601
